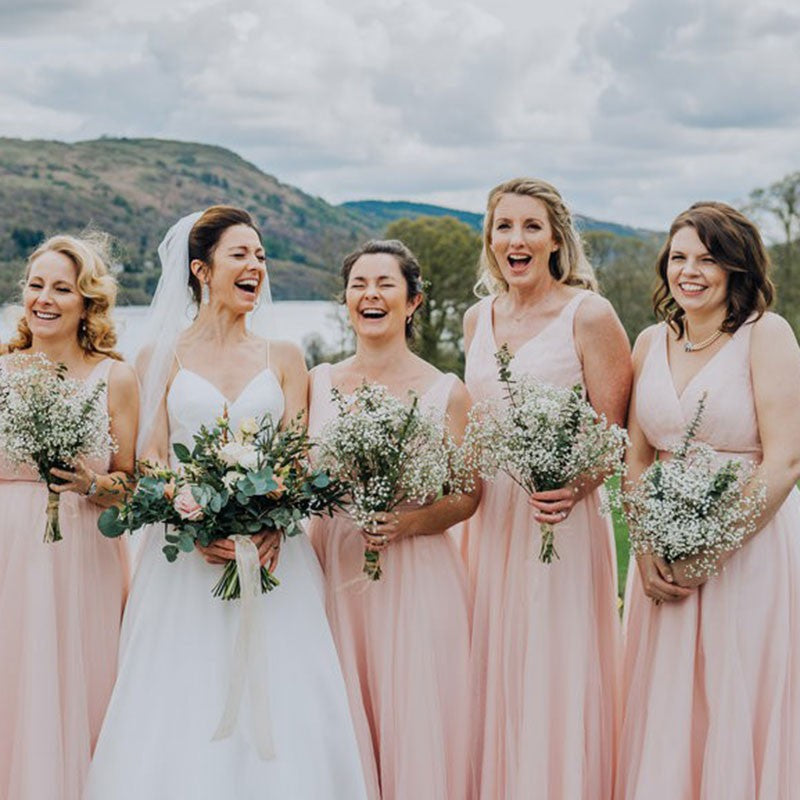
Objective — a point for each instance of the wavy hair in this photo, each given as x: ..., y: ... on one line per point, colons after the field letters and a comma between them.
x: 736, y: 245
x: 89, y: 254
x: 568, y: 264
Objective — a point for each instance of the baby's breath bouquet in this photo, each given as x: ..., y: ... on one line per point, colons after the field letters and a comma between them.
x: 230, y: 483
x: 543, y: 437
x: 49, y: 420
x: 386, y: 452
x: 693, y: 505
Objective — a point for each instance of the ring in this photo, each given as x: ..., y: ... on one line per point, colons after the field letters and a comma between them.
x: 563, y: 515
x: 383, y: 538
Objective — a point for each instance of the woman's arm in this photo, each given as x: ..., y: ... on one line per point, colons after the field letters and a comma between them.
x: 604, y: 351
x: 445, y: 512
x: 293, y: 376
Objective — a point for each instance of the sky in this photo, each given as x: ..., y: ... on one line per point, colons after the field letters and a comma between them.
x: 632, y: 108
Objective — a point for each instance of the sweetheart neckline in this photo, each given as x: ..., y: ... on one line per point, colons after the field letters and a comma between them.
x: 230, y: 403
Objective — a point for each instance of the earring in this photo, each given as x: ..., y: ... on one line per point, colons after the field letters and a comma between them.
x: 205, y: 294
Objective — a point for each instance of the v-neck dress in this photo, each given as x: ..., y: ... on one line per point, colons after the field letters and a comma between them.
x: 545, y: 637
x: 712, y: 682
x: 403, y: 642
x: 177, y: 654
x: 60, y: 613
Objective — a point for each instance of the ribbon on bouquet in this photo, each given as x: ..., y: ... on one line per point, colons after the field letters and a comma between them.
x: 249, y: 661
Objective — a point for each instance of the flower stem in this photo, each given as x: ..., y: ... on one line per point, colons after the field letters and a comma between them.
x: 228, y: 588
x: 52, y: 531
x: 548, y: 549
x: 372, y: 564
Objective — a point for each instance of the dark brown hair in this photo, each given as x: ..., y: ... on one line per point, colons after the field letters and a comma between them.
x: 736, y: 244
x: 206, y: 233
x: 406, y: 260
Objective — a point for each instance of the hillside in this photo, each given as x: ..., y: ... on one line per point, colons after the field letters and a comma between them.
x: 136, y: 188
x: 379, y: 213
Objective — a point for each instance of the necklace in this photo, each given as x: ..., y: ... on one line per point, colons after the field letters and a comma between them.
x: 690, y: 347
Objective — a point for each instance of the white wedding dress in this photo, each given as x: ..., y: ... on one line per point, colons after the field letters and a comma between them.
x: 176, y: 658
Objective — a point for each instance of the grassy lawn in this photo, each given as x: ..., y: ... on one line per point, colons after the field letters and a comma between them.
x: 623, y: 545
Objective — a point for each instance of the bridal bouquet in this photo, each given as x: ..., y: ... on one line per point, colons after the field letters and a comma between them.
x: 543, y: 437
x: 386, y: 452
x: 49, y: 420
x: 692, y: 505
x: 230, y: 483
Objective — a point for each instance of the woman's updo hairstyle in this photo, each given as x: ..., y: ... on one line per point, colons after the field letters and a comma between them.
x: 409, y: 267
x: 205, y: 235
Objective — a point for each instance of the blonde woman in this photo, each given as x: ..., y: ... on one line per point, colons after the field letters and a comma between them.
x: 61, y: 603
x: 545, y: 636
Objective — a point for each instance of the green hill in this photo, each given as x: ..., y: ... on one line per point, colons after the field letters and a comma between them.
x: 136, y: 188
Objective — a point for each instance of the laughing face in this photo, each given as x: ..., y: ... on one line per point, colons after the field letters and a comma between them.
x: 522, y: 238
x: 696, y: 280
x: 52, y: 303
x: 377, y: 296
x: 238, y: 270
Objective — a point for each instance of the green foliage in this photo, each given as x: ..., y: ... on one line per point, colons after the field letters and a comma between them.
x: 448, y: 251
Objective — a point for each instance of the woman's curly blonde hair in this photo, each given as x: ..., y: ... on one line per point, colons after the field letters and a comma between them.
x: 568, y: 264
x: 96, y: 285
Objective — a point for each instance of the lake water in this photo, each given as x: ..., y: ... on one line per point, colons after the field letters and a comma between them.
x: 295, y: 320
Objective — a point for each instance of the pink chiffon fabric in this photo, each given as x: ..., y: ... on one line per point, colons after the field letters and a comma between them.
x: 712, y: 683
x: 60, y: 610
x: 545, y: 637
x: 403, y: 642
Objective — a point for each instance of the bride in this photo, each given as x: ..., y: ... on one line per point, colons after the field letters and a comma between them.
x: 191, y: 715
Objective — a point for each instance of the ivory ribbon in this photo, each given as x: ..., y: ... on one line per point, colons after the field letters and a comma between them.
x: 249, y: 660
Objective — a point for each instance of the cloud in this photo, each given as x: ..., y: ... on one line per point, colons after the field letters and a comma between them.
x: 632, y: 108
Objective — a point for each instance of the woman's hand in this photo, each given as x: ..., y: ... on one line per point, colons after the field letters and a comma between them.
x: 555, y: 505
x: 658, y: 581
x: 389, y: 527
x: 79, y: 479
x: 268, y: 544
x: 687, y: 574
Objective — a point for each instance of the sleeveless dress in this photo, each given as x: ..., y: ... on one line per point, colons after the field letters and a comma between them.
x: 712, y: 682
x: 60, y: 612
x: 545, y: 637
x: 176, y: 659
x: 403, y: 642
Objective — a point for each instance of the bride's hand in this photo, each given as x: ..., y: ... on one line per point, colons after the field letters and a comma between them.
x: 268, y: 544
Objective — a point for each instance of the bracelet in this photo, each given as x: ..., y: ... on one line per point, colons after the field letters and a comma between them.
x: 91, y: 490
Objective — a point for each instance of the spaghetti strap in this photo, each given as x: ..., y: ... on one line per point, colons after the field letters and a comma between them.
x: 178, y: 359
x: 268, y: 364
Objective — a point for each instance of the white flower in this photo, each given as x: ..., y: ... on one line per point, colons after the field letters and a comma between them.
x: 235, y: 454
x: 229, y: 479
x: 248, y: 428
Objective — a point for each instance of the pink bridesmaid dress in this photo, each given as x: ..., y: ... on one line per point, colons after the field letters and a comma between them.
x: 60, y: 609
x: 545, y: 637
x: 403, y: 642
x: 712, y: 682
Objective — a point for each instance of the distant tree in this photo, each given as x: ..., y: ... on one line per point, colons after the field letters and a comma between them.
x: 781, y: 202
x: 448, y: 251
x: 25, y: 240
x: 625, y: 269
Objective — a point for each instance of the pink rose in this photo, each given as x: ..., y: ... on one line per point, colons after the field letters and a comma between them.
x: 187, y: 507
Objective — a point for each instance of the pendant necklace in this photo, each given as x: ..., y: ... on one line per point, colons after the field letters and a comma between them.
x: 691, y: 347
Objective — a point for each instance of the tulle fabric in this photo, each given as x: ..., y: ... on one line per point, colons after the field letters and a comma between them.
x: 712, y: 701
x: 545, y: 637
x: 60, y: 612
x: 404, y: 645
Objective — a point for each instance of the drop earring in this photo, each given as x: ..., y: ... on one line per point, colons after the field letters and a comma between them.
x: 205, y: 295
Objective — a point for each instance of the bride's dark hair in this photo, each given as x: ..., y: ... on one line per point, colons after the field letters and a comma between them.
x: 206, y: 233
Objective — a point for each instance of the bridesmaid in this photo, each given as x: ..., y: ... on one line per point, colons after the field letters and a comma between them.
x: 545, y: 637
x: 60, y: 603
x: 712, y: 668
x: 403, y: 641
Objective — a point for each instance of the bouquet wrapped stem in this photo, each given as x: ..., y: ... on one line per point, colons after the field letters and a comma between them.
x: 229, y: 588
x: 52, y: 531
